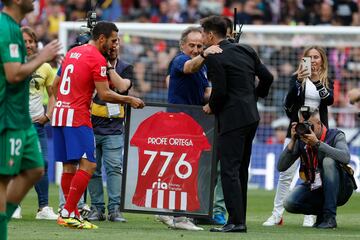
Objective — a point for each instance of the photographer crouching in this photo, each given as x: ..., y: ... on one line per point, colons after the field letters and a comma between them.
x: 327, y: 180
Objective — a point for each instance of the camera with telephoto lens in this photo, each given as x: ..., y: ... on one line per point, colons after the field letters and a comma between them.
x: 85, y: 37
x: 91, y: 20
x: 304, y: 127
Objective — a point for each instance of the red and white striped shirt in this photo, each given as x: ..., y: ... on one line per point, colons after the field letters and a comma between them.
x: 169, y: 147
x: 82, y: 67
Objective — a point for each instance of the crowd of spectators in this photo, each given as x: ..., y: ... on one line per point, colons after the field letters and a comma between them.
x: 49, y: 13
x: 150, y: 57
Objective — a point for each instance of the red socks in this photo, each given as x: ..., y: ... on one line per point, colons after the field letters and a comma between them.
x: 66, y: 179
x: 77, y: 188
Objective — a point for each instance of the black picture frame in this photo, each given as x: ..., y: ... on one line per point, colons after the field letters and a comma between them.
x: 206, y: 172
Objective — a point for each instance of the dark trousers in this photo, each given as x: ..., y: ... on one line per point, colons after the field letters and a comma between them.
x: 336, y: 190
x: 42, y: 186
x: 234, y: 150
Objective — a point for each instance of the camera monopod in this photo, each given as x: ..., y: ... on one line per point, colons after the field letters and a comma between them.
x: 237, y: 34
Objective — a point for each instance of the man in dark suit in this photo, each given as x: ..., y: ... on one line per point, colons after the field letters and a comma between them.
x: 233, y: 101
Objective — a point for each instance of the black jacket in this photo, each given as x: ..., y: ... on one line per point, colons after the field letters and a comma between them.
x: 234, y: 91
x: 295, y: 98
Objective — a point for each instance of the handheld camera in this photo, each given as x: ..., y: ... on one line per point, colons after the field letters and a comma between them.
x: 91, y: 20
x: 304, y: 127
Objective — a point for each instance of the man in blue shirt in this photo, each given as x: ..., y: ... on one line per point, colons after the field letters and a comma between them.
x: 188, y: 81
x: 188, y: 85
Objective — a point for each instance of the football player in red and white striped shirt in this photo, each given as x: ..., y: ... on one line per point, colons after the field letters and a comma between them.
x: 84, y: 69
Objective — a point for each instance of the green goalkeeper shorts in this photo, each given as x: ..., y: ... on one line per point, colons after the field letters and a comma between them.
x: 19, y: 150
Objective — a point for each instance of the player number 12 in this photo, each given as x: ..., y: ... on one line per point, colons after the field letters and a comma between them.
x: 15, y: 146
x: 169, y: 156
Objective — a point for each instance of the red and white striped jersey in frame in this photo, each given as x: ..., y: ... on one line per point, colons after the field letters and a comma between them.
x: 169, y: 147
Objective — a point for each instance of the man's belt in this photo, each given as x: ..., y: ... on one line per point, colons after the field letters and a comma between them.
x: 102, y: 111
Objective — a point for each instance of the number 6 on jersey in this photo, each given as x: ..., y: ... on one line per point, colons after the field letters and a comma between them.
x: 65, y: 81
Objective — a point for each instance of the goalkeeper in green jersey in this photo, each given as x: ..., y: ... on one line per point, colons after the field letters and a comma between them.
x: 21, y: 163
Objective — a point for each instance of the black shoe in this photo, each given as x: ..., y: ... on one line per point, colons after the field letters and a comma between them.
x: 116, y: 217
x: 329, y: 222
x: 96, y: 214
x: 319, y: 220
x: 230, y: 228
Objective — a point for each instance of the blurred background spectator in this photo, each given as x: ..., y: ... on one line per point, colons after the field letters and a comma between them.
x: 288, y: 12
x: 151, y: 56
x: 280, y: 127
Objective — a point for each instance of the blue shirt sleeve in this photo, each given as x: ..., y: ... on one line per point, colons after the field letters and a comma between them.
x: 59, y: 72
x: 179, y: 62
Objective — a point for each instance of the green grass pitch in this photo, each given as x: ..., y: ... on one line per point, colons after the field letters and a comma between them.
x: 144, y: 227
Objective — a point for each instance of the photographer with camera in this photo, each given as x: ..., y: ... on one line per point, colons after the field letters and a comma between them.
x: 327, y: 180
x: 309, y: 86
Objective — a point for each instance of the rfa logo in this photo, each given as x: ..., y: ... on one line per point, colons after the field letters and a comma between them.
x: 159, y: 185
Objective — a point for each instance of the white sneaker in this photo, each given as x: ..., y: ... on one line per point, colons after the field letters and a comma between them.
x: 17, y: 213
x: 46, y: 213
x: 85, y: 211
x: 167, y: 220
x: 186, y: 224
x: 309, y: 220
x: 273, y: 220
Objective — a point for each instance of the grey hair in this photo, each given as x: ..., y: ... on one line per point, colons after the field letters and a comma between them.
x: 186, y: 32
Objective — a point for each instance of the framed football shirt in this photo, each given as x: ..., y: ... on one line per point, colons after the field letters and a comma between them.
x: 168, y: 160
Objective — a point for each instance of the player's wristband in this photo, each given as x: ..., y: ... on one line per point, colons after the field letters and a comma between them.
x: 108, y: 69
x: 202, y: 55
